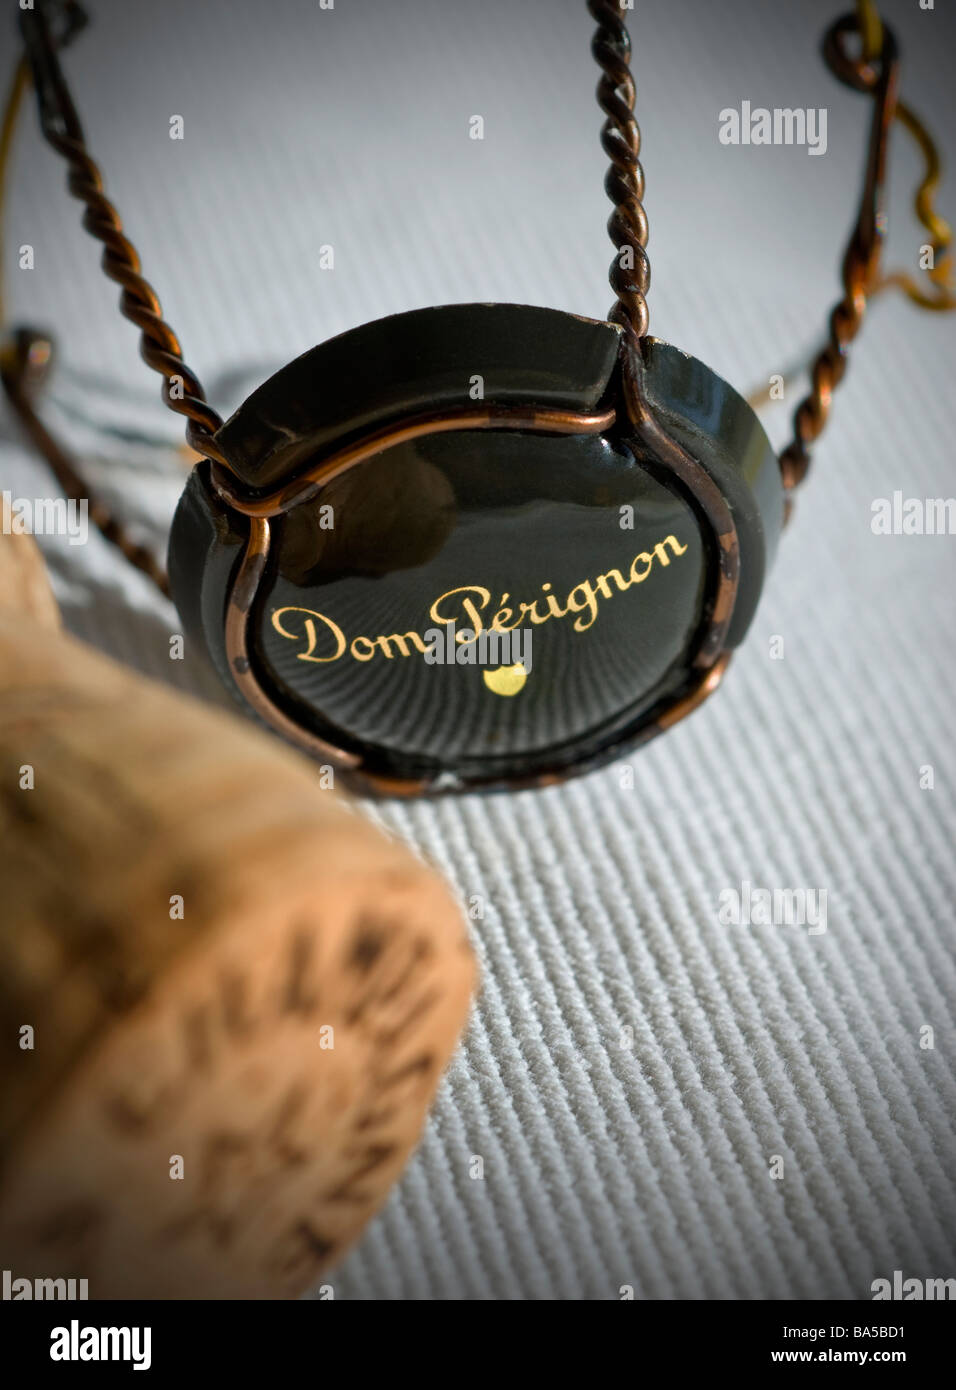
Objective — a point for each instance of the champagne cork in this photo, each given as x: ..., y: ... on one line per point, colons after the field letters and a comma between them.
x: 226, y: 1000
x: 24, y: 587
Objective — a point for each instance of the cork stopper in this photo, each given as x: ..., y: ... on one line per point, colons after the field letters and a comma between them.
x: 225, y: 998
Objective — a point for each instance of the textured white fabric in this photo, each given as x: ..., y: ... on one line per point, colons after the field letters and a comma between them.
x: 609, y: 1157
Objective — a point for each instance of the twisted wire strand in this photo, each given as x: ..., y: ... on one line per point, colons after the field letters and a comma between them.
x: 630, y: 273
x: 940, y: 276
x: 24, y: 360
x: 630, y: 277
x: 159, y: 346
x: 860, y: 271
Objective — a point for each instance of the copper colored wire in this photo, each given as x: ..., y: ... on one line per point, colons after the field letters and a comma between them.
x: 26, y: 355
x: 303, y: 487
x: 61, y: 127
x: 878, y: 79
x: 630, y: 273
x: 939, y: 297
x: 23, y: 363
x: 630, y: 277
